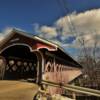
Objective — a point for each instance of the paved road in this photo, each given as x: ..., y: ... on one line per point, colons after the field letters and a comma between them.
x: 16, y: 90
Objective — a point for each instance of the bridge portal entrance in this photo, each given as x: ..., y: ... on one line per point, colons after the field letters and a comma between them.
x: 20, y: 63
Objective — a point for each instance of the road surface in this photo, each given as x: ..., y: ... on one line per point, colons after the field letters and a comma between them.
x: 17, y: 90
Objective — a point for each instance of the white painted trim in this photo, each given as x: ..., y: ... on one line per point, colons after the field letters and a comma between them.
x: 43, y: 63
x: 38, y: 38
x: 42, y: 60
x: 14, y: 44
x: 33, y: 37
x: 46, y: 41
x: 46, y: 48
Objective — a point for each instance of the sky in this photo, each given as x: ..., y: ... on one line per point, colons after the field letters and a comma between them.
x: 50, y: 19
x: 25, y: 13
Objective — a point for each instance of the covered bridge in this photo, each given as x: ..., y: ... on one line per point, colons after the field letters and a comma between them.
x: 23, y: 56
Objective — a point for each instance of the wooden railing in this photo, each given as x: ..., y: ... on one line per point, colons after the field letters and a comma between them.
x: 73, y: 88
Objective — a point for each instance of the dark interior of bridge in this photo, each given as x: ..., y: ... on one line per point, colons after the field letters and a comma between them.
x: 20, y: 63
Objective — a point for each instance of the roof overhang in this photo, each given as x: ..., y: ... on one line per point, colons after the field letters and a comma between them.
x: 16, y: 37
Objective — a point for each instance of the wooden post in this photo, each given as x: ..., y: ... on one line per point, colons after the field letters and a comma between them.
x: 2, y: 67
x: 73, y: 94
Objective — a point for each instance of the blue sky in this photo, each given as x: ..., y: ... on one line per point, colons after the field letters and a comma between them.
x: 24, y: 13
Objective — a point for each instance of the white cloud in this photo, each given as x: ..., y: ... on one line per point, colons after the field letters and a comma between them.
x: 48, y: 32
x: 1, y: 36
x: 5, y: 32
x: 85, y: 26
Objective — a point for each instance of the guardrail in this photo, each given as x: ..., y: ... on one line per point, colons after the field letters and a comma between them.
x: 73, y: 88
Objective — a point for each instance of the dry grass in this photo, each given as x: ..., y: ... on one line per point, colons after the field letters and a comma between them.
x: 16, y: 90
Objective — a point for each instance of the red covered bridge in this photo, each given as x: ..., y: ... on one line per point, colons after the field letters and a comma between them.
x: 23, y: 56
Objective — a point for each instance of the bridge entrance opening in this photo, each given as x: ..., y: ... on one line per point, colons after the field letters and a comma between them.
x: 20, y: 63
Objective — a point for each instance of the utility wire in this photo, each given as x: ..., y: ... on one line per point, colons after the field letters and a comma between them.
x: 73, y: 30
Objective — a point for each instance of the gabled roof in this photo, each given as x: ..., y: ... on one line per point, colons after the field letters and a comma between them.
x: 37, y: 38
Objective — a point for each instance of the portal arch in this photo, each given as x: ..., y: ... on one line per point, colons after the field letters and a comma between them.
x: 21, y: 62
